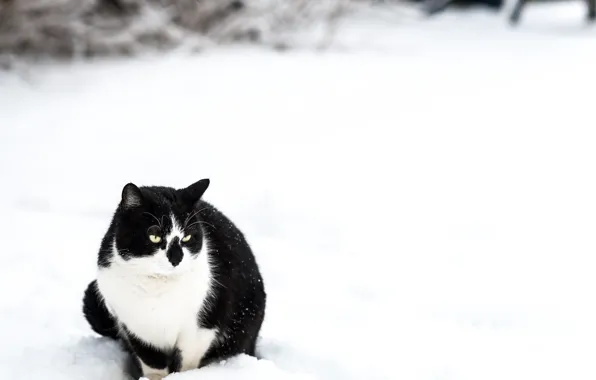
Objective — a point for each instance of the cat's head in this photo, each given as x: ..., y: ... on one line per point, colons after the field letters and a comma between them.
x: 158, y: 229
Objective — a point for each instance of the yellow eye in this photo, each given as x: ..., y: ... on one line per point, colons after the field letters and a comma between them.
x: 186, y: 238
x: 154, y: 239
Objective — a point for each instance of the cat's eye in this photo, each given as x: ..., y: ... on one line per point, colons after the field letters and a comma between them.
x: 186, y: 238
x: 154, y: 239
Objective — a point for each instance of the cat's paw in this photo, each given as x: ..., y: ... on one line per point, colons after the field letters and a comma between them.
x: 149, y: 373
x: 153, y: 376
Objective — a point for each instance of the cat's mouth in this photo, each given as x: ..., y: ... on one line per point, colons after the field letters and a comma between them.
x: 163, y: 273
x: 159, y: 276
x: 163, y: 276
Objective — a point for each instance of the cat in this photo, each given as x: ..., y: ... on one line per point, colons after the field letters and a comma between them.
x: 177, y: 283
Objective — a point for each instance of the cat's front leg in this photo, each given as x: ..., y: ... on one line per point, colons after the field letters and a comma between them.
x: 159, y: 375
x: 97, y: 314
x: 153, y: 363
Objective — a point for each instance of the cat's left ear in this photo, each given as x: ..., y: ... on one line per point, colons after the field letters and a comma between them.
x: 194, y: 192
x: 131, y: 196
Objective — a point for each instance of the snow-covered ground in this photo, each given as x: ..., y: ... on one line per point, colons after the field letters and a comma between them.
x: 421, y: 198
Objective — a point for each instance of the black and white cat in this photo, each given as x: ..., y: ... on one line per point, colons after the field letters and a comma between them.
x: 177, y: 282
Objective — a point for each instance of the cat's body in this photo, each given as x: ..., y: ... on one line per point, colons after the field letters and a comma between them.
x: 177, y: 282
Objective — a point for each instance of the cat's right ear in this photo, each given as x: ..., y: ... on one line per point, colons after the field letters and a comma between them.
x: 131, y: 196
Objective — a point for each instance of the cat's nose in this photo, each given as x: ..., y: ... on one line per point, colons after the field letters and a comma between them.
x: 174, y: 252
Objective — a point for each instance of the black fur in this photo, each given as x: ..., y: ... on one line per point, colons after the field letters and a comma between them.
x: 237, y: 304
x: 151, y: 356
x: 96, y: 313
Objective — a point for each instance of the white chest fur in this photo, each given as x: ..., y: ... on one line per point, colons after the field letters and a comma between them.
x: 161, y: 310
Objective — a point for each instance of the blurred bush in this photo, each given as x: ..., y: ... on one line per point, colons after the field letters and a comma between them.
x: 67, y: 29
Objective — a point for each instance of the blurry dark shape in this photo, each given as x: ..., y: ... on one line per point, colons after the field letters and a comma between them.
x: 5, y: 3
x: 154, y: 39
x: 236, y: 5
x: 118, y: 8
x: 115, y: 4
x: 253, y: 35
x: 433, y: 7
x: 281, y: 47
x: 515, y: 15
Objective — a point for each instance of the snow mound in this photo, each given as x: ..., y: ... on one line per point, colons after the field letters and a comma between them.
x: 98, y: 358
x: 240, y: 368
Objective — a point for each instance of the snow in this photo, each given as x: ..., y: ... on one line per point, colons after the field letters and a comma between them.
x: 421, y: 197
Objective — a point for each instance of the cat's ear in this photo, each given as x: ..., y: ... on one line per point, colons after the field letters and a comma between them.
x: 194, y: 192
x: 131, y: 196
